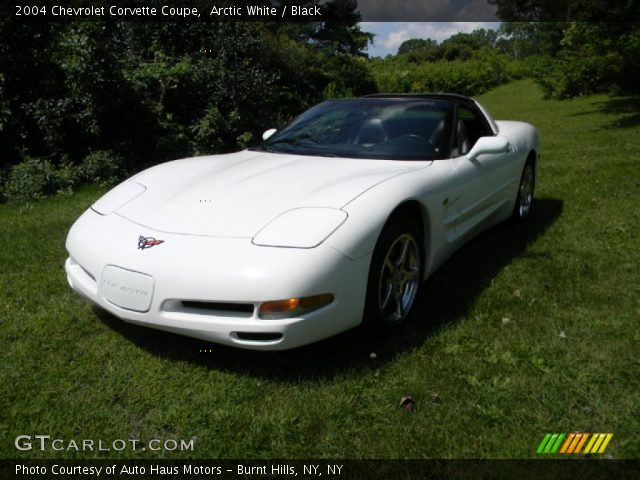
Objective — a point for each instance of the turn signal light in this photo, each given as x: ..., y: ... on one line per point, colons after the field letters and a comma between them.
x: 293, y: 307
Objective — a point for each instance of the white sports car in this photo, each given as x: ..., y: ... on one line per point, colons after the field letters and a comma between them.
x: 332, y: 221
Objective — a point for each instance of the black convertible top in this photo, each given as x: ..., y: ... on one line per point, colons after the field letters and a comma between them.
x: 426, y: 96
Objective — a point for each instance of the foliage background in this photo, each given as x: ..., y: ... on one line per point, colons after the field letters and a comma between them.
x: 137, y: 94
x: 92, y: 102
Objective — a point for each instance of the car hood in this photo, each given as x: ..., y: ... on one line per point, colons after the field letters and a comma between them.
x: 236, y: 195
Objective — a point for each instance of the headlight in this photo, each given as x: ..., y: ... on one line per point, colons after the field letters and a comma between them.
x: 293, y: 307
x: 301, y: 228
x: 118, y: 197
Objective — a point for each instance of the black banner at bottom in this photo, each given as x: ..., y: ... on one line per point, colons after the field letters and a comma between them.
x: 578, y: 469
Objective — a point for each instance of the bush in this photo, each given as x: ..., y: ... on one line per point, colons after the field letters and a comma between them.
x: 470, y: 77
x: 36, y: 178
x: 32, y: 179
x: 144, y: 91
x: 102, y: 167
x: 592, y: 57
x: 67, y: 176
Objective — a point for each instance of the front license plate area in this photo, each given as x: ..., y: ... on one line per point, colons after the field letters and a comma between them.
x: 127, y: 289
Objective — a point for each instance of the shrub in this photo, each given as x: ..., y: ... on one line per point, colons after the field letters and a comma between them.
x: 593, y: 57
x: 470, y: 77
x: 245, y: 140
x: 36, y: 178
x: 32, y: 179
x: 333, y: 91
x: 66, y: 176
x: 102, y: 167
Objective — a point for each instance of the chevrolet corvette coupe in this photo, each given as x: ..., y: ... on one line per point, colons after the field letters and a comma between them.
x: 332, y: 221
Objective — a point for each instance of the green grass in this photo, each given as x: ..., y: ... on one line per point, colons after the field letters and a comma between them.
x: 528, y: 329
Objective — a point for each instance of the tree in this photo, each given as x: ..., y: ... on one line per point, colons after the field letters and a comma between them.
x: 524, y: 39
x: 153, y: 91
x: 588, y: 45
x: 461, y: 46
x: 340, y: 31
x: 567, y: 10
x: 416, y: 44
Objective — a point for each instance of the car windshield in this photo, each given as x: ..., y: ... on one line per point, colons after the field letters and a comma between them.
x: 378, y: 128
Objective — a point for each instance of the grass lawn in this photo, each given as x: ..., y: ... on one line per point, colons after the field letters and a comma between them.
x: 527, y: 330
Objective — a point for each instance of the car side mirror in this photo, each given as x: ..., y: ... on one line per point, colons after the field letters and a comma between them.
x: 268, y: 133
x: 488, y: 145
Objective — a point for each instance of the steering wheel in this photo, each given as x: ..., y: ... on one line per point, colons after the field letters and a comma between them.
x: 415, y: 136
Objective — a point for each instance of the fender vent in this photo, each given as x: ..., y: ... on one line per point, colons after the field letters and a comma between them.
x: 259, y: 336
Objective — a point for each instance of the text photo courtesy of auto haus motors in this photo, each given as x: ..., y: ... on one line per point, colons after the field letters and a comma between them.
x: 336, y: 218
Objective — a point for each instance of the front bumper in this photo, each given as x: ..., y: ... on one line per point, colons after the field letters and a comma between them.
x: 211, y: 287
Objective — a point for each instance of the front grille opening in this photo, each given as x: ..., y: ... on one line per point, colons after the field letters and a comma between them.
x: 259, y: 336
x: 243, y: 308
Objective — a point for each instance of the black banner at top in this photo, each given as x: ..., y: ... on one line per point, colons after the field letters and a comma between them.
x: 323, y: 10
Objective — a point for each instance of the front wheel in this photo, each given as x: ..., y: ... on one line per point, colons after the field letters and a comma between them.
x: 524, y: 201
x: 395, y: 275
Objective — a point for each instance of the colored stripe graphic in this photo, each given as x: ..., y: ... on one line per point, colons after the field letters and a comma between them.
x: 594, y: 437
x: 543, y: 443
x: 573, y: 445
x: 556, y: 446
x: 552, y: 442
x: 598, y: 443
x: 605, y: 443
x: 567, y: 443
x: 581, y: 443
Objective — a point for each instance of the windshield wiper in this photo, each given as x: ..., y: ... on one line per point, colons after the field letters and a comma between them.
x: 281, y: 146
x: 268, y: 148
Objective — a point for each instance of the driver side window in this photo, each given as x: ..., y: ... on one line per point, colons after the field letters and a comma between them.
x: 469, y: 129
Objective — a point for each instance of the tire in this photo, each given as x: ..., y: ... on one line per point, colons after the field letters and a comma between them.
x: 524, y: 198
x: 395, y: 275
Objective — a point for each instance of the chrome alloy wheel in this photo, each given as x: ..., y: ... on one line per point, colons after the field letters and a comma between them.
x: 525, y: 194
x: 399, y: 279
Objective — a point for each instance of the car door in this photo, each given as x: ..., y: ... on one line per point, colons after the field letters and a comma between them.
x: 482, y: 182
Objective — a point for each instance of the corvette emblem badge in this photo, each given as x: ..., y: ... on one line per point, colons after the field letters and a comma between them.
x: 148, y: 242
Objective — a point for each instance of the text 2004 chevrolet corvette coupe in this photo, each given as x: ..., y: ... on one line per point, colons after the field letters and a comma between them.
x: 333, y: 220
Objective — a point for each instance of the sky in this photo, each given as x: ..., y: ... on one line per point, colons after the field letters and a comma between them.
x: 389, y: 35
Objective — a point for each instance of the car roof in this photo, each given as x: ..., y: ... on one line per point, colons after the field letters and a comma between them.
x: 425, y: 96
x: 449, y: 97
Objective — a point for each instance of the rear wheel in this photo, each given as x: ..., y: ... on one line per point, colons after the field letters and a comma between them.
x: 525, y: 192
x: 395, y: 275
